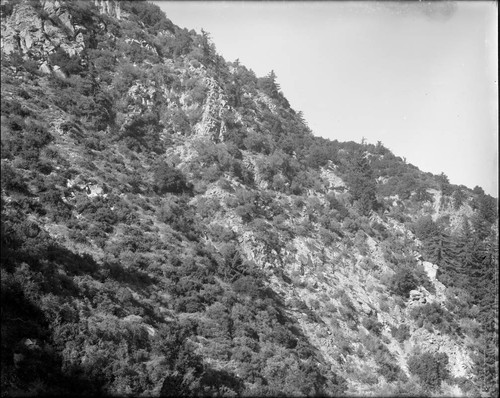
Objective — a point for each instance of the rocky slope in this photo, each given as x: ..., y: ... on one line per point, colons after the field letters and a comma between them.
x: 171, y: 226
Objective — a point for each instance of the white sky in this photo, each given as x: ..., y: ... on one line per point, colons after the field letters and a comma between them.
x: 421, y: 77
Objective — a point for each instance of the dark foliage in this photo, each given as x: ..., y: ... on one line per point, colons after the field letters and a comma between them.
x: 438, y: 317
x: 432, y: 369
x: 403, y: 281
x: 171, y: 180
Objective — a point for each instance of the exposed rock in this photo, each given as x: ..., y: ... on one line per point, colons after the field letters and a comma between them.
x: 334, y: 181
x: 415, y: 295
x: 151, y: 330
x: 95, y: 190
x: 31, y: 344
x: 366, y: 309
x: 133, y: 318
x: 212, y: 124
x: 109, y: 7
x: 25, y: 31
x: 45, y: 68
x: 265, y: 99
x: 58, y: 72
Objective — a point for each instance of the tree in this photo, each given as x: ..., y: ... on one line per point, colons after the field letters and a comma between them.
x: 169, y: 179
x: 444, y: 184
x: 208, y: 48
x: 459, y: 198
x: 402, y: 282
x: 269, y: 85
x: 361, y: 182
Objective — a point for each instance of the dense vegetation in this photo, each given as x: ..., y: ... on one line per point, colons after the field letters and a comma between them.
x: 124, y: 268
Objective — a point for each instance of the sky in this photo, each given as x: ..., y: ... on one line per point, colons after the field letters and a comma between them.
x: 421, y: 77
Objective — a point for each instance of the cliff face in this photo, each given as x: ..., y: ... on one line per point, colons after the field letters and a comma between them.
x: 109, y: 7
x: 36, y: 29
x: 172, y: 226
x: 39, y: 30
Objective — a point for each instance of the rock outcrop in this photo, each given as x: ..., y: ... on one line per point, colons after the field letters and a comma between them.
x: 39, y: 31
x: 109, y: 7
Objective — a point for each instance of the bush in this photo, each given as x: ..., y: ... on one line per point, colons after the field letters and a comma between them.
x: 53, y: 202
x: 432, y: 369
x: 433, y: 314
x: 372, y: 325
x: 401, y: 333
x: 69, y: 65
x: 11, y: 180
x: 389, y: 368
x: 149, y: 14
x: 24, y: 137
x: 247, y: 285
x: 380, y: 230
x: 6, y: 9
x: 402, y: 282
x: 170, y: 179
x: 425, y: 228
x: 142, y: 131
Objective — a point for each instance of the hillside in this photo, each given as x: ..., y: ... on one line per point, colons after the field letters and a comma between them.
x: 171, y: 226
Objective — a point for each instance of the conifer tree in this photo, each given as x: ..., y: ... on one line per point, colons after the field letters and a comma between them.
x: 361, y: 182
x: 269, y: 85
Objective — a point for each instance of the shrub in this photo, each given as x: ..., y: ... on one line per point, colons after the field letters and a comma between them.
x: 142, y: 131
x: 207, y: 206
x: 11, y: 180
x: 401, y: 333
x: 6, y: 9
x: 381, y: 230
x: 389, y: 368
x: 423, y: 279
x: 247, y: 285
x: 52, y: 200
x: 425, y: 228
x: 147, y: 13
x: 432, y: 369
x: 372, y: 325
x: 170, y: 179
x: 402, y: 282
x: 433, y: 314
x: 256, y: 142
x: 221, y: 233
x: 69, y: 65
x: 176, y: 121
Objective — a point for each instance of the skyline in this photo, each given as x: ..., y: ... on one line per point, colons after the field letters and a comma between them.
x: 419, y: 77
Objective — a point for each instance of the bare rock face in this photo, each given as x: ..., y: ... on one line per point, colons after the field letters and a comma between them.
x: 212, y: 124
x: 335, y: 182
x: 111, y: 8
x: 21, y: 29
x: 39, y: 31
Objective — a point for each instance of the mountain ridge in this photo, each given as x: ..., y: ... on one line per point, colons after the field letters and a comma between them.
x: 170, y: 226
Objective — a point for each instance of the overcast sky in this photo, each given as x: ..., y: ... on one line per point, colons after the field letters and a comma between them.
x: 419, y: 76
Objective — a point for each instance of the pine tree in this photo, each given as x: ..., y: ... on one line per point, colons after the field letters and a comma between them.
x: 269, y: 85
x: 361, y: 182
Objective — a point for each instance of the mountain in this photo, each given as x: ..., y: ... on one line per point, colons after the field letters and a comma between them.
x: 171, y: 226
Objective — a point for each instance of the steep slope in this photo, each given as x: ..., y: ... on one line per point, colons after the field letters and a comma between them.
x: 171, y: 226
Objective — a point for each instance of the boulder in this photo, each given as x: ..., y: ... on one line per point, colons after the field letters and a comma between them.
x: 365, y: 308
x: 415, y: 295
x: 133, y: 318
x: 45, y: 68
